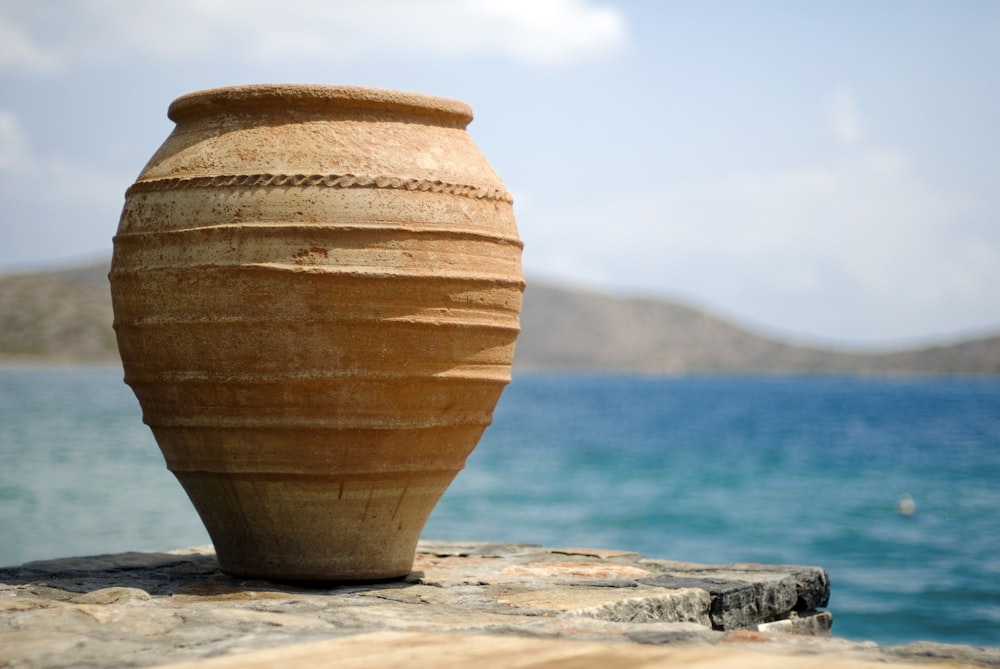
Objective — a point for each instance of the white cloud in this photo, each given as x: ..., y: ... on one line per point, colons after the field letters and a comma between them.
x: 50, y: 205
x: 23, y: 169
x: 843, y: 115
x: 12, y: 141
x: 43, y: 36
x: 19, y: 50
x: 886, y: 253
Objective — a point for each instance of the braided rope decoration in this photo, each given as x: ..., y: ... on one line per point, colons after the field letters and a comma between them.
x: 319, y: 180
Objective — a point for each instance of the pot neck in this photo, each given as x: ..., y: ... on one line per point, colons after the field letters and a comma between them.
x: 297, y: 100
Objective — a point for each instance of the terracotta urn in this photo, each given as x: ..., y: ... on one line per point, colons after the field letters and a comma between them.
x: 316, y: 293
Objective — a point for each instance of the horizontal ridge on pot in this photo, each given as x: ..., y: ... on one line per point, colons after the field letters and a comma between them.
x: 316, y: 294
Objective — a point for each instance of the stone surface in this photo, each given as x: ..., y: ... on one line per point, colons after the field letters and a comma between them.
x: 146, y: 609
x: 441, y: 651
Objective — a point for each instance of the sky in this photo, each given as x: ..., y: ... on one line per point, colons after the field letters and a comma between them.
x: 826, y: 172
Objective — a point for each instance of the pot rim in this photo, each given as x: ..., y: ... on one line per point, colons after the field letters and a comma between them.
x: 317, y: 97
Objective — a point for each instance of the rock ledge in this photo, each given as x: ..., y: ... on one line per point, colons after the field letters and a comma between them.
x: 148, y: 609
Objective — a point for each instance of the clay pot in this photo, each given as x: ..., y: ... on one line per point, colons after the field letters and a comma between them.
x: 316, y: 294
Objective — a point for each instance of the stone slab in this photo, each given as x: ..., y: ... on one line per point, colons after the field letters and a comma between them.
x: 148, y: 609
x: 389, y: 650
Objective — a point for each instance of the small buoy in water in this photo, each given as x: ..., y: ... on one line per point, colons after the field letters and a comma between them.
x: 906, y: 506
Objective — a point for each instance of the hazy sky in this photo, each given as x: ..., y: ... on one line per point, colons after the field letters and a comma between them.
x: 821, y: 170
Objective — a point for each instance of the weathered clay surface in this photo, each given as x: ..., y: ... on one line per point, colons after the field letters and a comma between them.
x: 316, y: 294
x: 144, y: 609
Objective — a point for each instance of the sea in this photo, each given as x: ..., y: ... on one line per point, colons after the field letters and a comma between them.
x: 891, y: 484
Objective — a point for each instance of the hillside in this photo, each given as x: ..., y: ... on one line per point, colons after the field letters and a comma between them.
x: 569, y: 329
x: 66, y: 316
x: 57, y: 316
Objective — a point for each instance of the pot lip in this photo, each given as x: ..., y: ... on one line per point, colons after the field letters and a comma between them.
x: 317, y: 97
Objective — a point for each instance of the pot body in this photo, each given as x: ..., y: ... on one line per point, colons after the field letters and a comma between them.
x: 316, y: 294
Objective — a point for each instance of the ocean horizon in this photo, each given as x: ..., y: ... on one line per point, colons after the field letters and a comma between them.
x: 808, y: 470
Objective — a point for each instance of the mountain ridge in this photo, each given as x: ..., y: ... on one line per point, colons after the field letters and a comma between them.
x: 643, y: 334
x: 65, y: 315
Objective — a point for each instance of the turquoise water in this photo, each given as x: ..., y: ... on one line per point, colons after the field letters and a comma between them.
x: 801, y: 470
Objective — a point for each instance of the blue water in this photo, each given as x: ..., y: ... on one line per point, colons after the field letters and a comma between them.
x: 800, y: 470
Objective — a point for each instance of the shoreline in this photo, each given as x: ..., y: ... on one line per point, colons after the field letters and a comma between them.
x: 69, y: 363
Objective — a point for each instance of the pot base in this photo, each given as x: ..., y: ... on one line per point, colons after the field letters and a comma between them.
x: 315, y: 528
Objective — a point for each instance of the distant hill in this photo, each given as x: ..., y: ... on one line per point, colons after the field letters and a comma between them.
x: 59, y: 316
x: 579, y: 330
x: 65, y: 316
